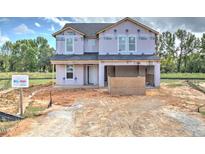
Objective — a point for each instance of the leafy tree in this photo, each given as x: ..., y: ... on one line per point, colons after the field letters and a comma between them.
x: 26, y: 55
x: 167, y: 51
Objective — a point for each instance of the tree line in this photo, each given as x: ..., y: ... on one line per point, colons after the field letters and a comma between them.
x: 181, y: 51
x: 28, y: 55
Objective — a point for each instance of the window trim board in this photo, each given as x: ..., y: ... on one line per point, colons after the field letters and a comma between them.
x: 73, y: 47
x: 127, y: 43
x: 66, y: 72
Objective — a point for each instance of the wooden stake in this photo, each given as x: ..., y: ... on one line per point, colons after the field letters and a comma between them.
x: 21, y: 102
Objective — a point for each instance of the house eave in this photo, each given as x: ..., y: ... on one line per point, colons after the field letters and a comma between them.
x: 64, y: 29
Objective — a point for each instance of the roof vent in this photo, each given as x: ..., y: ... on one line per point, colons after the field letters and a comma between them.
x: 138, y: 30
x: 127, y: 30
x: 115, y: 30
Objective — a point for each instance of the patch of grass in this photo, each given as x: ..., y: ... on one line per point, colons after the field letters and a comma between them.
x: 34, y: 78
x: 5, y: 126
x: 33, y: 111
x: 173, y: 83
x: 5, y: 84
x: 183, y: 75
x: 203, y: 113
x: 31, y: 74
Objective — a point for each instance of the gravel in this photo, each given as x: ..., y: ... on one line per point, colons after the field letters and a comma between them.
x: 56, y: 123
x: 192, y: 124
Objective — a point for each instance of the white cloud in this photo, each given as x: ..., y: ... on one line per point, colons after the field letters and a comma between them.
x: 23, y: 29
x: 52, y: 28
x: 60, y: 21
x: 3, y: 39
x: 4, y: 19
x: 37, y: 24
x: 96, y: 19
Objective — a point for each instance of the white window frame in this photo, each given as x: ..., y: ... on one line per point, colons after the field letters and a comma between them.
x: 118, y: 43
x: 68, y: 37
x: 67, y: 72
x: 128, y: 44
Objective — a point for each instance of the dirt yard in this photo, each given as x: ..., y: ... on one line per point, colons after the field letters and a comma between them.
x: 168, y: 111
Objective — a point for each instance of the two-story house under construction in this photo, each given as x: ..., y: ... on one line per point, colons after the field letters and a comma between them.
x: 87, y: 53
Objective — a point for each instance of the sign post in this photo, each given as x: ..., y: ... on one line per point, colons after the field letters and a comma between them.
x: 20, y: 81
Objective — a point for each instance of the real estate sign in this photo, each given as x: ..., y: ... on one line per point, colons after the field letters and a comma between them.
x: 20, y: 81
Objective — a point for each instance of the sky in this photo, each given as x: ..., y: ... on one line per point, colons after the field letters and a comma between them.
x: 12, y: 29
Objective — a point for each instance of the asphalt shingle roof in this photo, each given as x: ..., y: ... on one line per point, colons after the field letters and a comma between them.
x: 89, y: 29
x: 95, y: 56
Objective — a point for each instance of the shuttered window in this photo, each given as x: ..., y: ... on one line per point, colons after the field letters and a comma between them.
x: 69, y: 71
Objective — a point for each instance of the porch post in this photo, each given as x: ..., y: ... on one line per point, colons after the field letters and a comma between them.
x: 53, y: 65
x: 101, y: 74
x: 157, y: 74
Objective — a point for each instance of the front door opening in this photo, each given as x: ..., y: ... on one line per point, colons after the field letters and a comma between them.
x: 92, y: 74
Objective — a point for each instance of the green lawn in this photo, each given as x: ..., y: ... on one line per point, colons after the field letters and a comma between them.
x: 183, y: 75
x: 31, y: 74
x: 5, y: 84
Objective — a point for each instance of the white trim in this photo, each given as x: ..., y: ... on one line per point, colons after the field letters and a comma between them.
x: 127, y: 44
x: 66, y: 72
x: 119, y: 43
x: 73, y: 40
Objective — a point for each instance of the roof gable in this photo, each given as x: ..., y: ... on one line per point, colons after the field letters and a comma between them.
x: 131, y: 20
x: 93, y: 29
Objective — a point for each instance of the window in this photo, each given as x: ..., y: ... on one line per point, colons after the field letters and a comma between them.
x: 69, y: 44
x: 127, y: 43
x: 131, y: 43
x: 122, y: 43
x: 69, y: 71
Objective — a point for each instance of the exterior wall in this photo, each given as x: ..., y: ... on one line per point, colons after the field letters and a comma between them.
x: 78, y: 42
x: 61, y: 74
x: 141, y: 70
x: 157, y: 74
x: 126, y: 71
x: 108, y: 40
x: 91, y: 45
x: 111, y: 45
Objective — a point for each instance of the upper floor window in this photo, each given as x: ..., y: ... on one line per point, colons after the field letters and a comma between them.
x: 122, y: 43
x: 132, y: 43
x: 126, y: 43
x: 69, y: 44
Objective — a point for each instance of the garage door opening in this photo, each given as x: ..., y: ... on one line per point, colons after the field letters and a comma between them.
x: 131, y: 71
